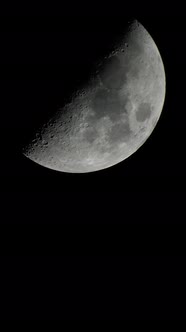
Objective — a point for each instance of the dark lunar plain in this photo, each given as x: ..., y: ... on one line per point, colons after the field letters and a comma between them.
x: 103, y: 245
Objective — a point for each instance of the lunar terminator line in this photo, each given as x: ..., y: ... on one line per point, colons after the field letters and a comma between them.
x: 111, y: 116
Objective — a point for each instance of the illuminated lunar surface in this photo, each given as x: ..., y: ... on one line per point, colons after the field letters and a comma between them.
x: 112, y: 115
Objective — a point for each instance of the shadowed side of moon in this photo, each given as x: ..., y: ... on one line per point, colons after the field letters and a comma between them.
x: 113, y: 115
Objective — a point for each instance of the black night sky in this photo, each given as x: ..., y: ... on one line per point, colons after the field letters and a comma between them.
x: 103, y: 245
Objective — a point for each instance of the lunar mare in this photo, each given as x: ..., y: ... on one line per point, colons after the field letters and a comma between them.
x: 112, y: 116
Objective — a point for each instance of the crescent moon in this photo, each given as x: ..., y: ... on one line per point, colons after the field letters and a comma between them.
x: 112, y: 116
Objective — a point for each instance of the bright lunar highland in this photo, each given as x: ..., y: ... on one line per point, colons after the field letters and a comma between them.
x: 112, y: 115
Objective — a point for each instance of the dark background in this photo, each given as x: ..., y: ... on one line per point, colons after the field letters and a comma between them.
x: 104, y: 245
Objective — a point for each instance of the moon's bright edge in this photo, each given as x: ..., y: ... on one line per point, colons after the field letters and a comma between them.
x: 108, y: 119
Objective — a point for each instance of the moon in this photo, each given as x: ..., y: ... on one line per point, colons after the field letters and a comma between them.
x: 111, y: 116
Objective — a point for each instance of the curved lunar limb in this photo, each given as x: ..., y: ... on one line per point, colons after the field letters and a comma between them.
x: 108, y: 119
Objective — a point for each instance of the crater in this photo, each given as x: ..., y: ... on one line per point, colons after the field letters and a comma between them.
x: 144, y: 112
